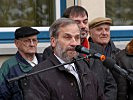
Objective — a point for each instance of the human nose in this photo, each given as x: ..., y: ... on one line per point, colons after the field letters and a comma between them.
x: 104, y: 31
x: 82, y: 25
x: 33, y: 42
x: 74, y: 41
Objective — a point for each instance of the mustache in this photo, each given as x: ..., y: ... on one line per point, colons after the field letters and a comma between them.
x: 71, y: 48
x: 84, y: 30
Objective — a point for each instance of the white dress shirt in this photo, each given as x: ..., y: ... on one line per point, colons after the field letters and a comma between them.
x: 33, y: 62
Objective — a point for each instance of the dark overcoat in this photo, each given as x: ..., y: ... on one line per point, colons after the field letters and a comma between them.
x: 11, y: 68
x: 58, y: 84
x: 125, y: 60
x: 104, y: 76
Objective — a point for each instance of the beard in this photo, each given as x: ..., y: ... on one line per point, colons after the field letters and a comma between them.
x: 62, y: 53
x: 84, y: 33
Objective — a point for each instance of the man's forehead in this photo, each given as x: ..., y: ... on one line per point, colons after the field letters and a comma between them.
x: 103, y: 25
x: 71, y: 34
x: 79, y: 17
x: 70, y: 29
x: 75, y: 29
x: 69, y: 26
x: 78, y: 13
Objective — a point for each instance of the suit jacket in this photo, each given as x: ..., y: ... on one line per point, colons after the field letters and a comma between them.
x: 58, y: 84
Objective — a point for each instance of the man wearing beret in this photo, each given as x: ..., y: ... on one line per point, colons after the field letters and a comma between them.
x: 21, y: 63
x: 100, y: 34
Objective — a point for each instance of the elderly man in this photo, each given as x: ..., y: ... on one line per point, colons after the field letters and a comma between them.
x: 73, y: 81
x: 21, y: 63
x: 105, y: 78
x: 100, y: 34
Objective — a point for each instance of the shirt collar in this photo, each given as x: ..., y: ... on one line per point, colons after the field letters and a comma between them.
x: 33, y: 62
x: 66, y: 66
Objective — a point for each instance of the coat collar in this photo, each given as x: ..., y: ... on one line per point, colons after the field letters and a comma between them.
x: 55, y: 61
x: 81, y: 67
x: 23, y: 64
x: 111, y: 44
x: 79, y: 64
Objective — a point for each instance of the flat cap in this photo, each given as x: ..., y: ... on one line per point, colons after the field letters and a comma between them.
x: 25, y: 32
x: 98, y: 21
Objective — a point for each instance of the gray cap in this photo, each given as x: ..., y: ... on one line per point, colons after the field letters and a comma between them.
x: 98, y: 21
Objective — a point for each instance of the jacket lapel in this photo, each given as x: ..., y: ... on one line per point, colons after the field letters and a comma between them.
x: 55, y: 62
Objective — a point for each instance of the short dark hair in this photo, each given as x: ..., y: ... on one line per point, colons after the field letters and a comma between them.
x: 75, y: 11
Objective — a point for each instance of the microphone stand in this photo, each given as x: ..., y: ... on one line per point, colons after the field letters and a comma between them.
x: 130, y: 71
x: 43, y: 70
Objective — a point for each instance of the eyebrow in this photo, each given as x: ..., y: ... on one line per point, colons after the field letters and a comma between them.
x: 81, y: 20
x: 66, y: 33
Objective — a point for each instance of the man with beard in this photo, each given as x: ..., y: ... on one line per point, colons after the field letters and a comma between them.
x: 105, y: 78
x: 80, y: 16
x: 73, y: 81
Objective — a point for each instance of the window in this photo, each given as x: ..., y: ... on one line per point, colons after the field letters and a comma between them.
x: 39, y: 14
x: 16, y: 13
x: 121, y: 11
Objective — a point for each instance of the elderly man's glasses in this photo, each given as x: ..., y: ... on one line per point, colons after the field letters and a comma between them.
x: 29, y: 41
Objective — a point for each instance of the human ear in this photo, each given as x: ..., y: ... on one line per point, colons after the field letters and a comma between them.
x: 53, y: 41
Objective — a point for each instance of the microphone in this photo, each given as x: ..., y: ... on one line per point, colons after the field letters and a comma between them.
x: 111, y: 64
x: 82, y: 49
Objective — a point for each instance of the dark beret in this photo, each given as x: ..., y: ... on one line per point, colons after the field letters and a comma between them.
x: 98, y: 21
x: 25, y: 32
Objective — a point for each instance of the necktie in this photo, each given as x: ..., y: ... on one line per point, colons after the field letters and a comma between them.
x: 73, y: 71
x: 33, y: 64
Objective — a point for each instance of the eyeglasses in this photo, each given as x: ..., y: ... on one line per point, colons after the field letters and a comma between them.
x: 29, y: 41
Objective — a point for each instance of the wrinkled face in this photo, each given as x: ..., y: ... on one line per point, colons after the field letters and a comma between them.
x: 82, y: 21
x: 27, y: 45
x: 64, y: 45
x: 101, y: 34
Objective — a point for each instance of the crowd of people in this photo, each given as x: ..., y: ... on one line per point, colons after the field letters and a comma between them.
x: 61, y: 73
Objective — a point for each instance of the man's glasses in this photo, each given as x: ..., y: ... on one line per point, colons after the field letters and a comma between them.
x: 29, y: 41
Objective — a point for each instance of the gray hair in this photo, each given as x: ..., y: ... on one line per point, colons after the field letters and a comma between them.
x: 61, y: 22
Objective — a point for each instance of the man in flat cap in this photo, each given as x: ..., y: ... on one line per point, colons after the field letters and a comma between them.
x: 21, y: 63
x: 100, y: 34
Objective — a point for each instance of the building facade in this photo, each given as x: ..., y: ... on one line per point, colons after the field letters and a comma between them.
x: 41, y: 13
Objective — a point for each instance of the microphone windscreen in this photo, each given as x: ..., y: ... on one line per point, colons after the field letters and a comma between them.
x: 78, y: 48
x: 109, y: 62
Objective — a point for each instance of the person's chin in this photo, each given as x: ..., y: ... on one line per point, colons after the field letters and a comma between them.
x: 32, y: 52
x: 103, y: 43
x: 83, y: 37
